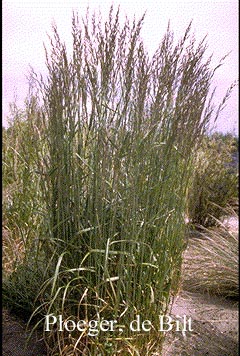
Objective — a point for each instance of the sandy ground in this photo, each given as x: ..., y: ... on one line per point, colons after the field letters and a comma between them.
x: 214, y: 324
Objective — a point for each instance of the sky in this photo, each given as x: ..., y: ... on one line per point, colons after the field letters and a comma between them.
x: 27, y: 24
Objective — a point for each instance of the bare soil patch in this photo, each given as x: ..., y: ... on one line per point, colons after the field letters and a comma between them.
x: 214, y: 325
x: 14, y: 337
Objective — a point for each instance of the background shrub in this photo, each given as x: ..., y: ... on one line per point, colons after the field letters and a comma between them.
x: 215, y: 179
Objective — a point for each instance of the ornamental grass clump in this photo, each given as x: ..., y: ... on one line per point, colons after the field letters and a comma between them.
x: 117, y: 132
x: 212, y: 261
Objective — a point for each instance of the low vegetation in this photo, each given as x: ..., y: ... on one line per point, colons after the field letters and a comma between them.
x: 212, y: 260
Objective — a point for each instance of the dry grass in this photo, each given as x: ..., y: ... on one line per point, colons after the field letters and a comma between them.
x: 212, y: 260
x: 12, y: 252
